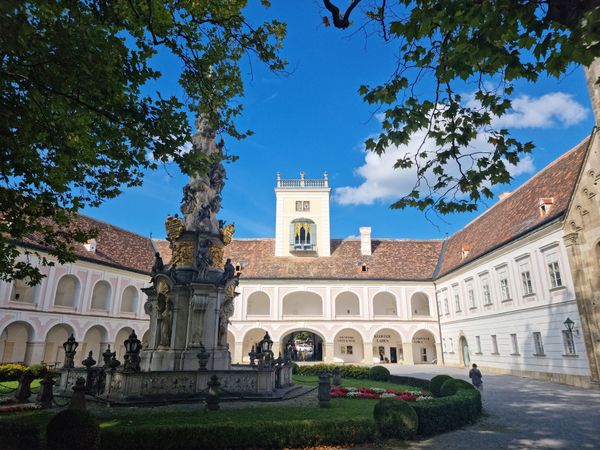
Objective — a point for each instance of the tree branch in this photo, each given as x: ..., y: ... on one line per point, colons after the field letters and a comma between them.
x: 340, y: 21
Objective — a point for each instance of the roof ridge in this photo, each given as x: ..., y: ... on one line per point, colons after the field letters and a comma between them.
x: 523, y: 185
x: 114, y: 226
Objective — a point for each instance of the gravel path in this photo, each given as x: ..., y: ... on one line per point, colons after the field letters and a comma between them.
x: 521, y: 414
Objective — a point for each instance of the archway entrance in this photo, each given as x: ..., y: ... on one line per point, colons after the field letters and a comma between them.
x: 465, y: 351
x: 304, y: 345
x: 348, y: 346
x: 13, y: 343
x: 423, y: 343
x: 387, y: 346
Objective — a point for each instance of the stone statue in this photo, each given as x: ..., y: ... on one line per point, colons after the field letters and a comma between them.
x: 228, y: 272
x: 225, y: 313
x: 203, y: 261
x: 201, y: 200
x: 158, y: 265
x: 166, y: 324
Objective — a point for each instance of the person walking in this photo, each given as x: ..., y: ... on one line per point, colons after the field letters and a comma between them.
x: 475, y: 376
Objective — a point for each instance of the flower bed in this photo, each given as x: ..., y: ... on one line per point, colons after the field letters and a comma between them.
x: 376, y: 393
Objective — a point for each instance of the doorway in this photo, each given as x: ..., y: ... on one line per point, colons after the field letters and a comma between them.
x: 465, y: 351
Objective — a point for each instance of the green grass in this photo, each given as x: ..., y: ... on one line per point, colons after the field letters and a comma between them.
x: 7, y: 387
x: 309, y: 380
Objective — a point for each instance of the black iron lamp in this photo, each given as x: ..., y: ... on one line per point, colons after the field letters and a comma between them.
x: 266, y: 344
x: 570, y: 325
x: 133, y: 346
x: 70, y: 346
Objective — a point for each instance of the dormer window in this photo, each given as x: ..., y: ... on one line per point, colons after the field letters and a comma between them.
x: 364, y: 267
x: 90, y: 245
x: 465, y: 251
x: 545, y: 205
x: 303, y: 235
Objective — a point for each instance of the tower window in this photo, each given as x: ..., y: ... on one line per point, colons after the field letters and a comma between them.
x: 302, y: 205
x: 303, y: 235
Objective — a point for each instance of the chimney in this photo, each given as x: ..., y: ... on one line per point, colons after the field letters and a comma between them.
x: 365, y: 241
x: 504, y: 195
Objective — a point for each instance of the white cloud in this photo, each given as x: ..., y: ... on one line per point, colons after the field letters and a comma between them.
x: 384, y: 183
x: 185, y: 148
x: 549, y: 110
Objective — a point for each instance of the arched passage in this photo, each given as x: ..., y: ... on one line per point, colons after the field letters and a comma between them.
x: 101, y: 296
x: 94, y: 340
x: 387, y: 346
x: 303, y: 345
x: 419, y: 304
x: 347, y: 304
x: 251, y: 338
x: 259, y: 304
x: 67, y: 292
x: 129, y: 300
x: 231, y: 344
x: 54, y: 353
x: 348, y: 346
x: 22, y: 292
x: 302, y: 304
x: 13, y: 342
x: 122, y: 336
x: 384, y: 304
x: 423, y: 343
x: 145, y: 339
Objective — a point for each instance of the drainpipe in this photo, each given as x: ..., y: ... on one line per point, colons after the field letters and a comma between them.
x: 439, y: 323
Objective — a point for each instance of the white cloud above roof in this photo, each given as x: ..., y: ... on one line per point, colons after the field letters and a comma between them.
x: 381, y: 182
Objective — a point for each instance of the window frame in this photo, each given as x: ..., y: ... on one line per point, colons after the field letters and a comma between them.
x: 538, y: 344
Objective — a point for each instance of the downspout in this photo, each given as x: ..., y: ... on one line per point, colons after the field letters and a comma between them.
x: 439, y: 324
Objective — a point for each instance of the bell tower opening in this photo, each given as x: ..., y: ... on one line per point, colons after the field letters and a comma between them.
x: 302, y: 217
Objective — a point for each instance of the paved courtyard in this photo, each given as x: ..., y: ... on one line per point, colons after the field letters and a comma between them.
x: 521, y: 414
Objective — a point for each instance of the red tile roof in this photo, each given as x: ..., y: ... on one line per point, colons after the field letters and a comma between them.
x: 114, y: 246
x: 518, y: 213
x: 391, y: 259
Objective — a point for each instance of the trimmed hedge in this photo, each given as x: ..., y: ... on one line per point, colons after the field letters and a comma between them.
x: 435, y: 385
x: 73, y: 429
x: 451, y: 387
x: 411, y: 381
x: 379, y: 373
x: 347, y: 371
x: 280, y: 434
x: 448, y: 413
x: 19, y: 436
x: 12, y: 372
x: 395, y: 418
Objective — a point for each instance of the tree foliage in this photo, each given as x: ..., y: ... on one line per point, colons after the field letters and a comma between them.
x: 79, y: 115
x: 450, y: 47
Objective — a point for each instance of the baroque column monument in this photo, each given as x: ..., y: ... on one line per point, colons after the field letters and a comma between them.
x: 189, y: 304
x: 191, y: 300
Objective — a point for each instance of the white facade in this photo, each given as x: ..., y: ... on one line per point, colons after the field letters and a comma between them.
x: 100, y: 305
x: 362, y: 315
x: 519, y: 327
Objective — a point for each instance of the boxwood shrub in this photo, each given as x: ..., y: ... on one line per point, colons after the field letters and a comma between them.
x: 280, y: 434
x: 435, y: 385
x: 348, y: 371
x: 395, y: 418
x: 73, y: 429
x: 451, y: 387
x: 379, y: 373
x: 12, y: 372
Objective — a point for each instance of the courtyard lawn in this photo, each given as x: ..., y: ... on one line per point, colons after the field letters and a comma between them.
x: 310, y: 380
x: 8, y: 387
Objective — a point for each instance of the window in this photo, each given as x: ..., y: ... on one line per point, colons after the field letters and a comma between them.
x: 515, y: 344
x: 568, y: 342
x: 451, y: 342
x: 494, y: 345
x: 444, y: 345
x: 471, y: 295
x: 485, y: 287
x: 526, y: 281
x: 423, y: 354
x: 478, y: 344
x: 302, y: 206
x: 504, y: 288
x: 303, y: 235
x: 456, y: 298
x: 446, y: 307
x: 554, y: 272
x: 537, y: 342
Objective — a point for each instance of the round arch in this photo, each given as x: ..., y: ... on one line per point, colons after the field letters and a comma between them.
x: 304, y: 344
x: 120, y: 338
x: 384, y: 304
x: 23, y: 293
x: 387, y: 346
x: 145, y: 339
x: 54, y: 353
x: 348, y: 346
x: 423, y: 347
x: 419, y: 305
x: 231, y: 344
x: 94, y: 340
x: 251, y: 337
x: 302, y: 303
x: 101, y: 295
x: 67, y: 292
x: 258, y: 304
x: 347, y: 304
x: 130, y: 299
x: 13, y: 342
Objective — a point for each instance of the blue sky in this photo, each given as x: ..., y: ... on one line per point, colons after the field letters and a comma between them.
x: 313, y: 120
